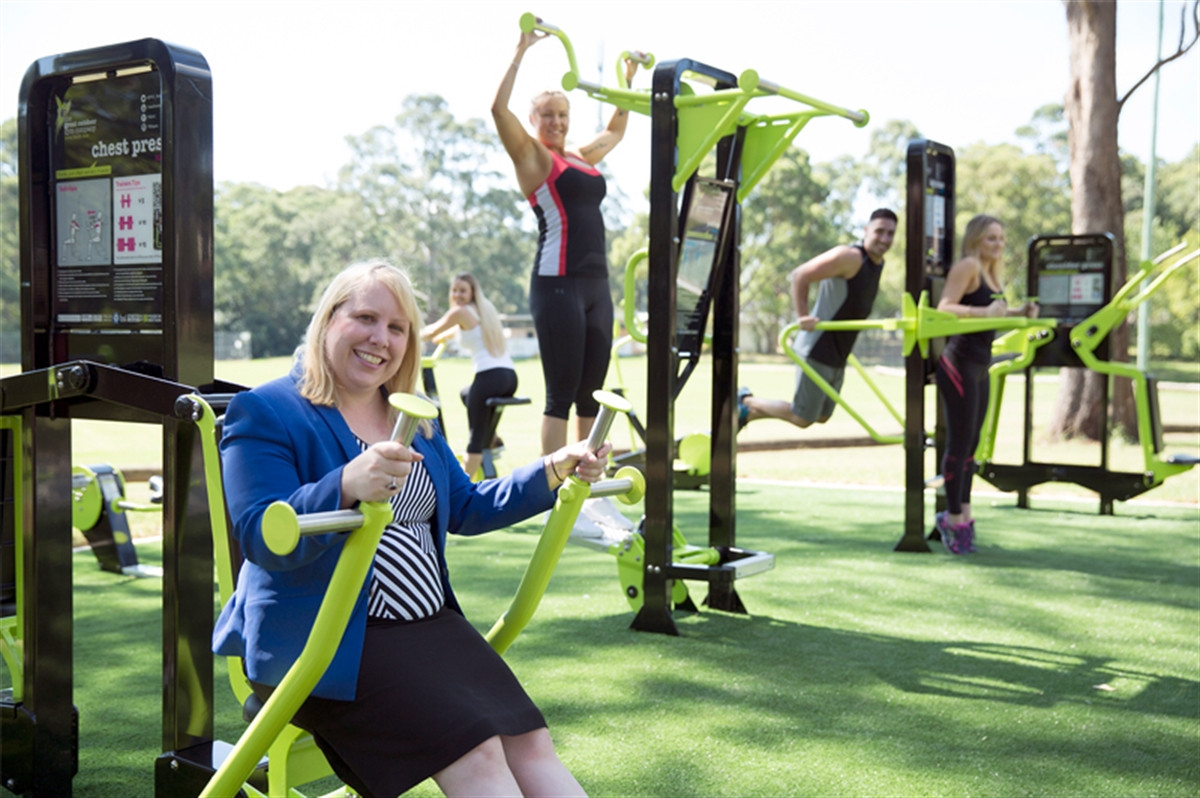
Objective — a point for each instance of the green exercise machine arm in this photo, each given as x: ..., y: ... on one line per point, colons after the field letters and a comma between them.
x: 707, y: 117
x: 365, y: 527
x: 1087, y: 336
x: 919, y: 323
x: 282, y: 529
x: 785, y: 342
x: 632, y: 326
x: 623, y: 97
x: 714, y: 115
x: 629, y: 486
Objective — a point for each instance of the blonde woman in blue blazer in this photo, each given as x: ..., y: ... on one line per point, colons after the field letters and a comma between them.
x: 414, y: 691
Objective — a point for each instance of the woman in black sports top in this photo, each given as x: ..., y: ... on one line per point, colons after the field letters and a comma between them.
x: 973, y: 289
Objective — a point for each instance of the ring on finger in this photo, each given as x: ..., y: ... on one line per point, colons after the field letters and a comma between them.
x: 393, y: 486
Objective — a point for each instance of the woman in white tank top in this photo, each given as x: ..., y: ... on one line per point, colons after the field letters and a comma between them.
x: 480, y: 331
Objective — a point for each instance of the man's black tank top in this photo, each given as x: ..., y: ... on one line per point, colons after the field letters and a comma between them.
x: 832, y: 347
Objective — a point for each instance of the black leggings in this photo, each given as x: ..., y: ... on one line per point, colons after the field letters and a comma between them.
x: 573, y: 317
x: 486, y: 385
x: 963, y: 386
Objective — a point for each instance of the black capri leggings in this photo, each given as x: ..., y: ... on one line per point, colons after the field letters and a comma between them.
x: 573, y: 317
x: 963, y: 386
x: 487, y: 384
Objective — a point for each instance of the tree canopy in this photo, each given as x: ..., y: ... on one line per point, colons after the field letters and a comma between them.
x: 433, y: 193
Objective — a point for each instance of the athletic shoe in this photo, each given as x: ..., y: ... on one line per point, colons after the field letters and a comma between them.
x: 743, y: 417
x: 943, y: 530
x: 953, y: 535
x: 970, y: 537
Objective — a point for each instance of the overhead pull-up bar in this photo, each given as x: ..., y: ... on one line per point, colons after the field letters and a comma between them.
x: 622, y: 97
x: 710, y: 116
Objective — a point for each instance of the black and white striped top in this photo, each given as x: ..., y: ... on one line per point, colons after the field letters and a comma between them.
x: 405, y: 582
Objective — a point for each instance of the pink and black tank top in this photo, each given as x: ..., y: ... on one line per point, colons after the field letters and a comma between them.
x: 570, y: 226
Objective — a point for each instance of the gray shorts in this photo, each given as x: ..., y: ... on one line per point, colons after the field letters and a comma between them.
x: 810, y: 402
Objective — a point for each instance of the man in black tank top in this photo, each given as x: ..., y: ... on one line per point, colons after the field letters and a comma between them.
x: 847, y: 279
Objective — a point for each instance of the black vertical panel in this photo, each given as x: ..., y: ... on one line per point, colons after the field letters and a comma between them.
x: 47, y: 605
x: 661, y: 357
x: 929, y: 226
x: 155, y: 98
x: 722, y: 528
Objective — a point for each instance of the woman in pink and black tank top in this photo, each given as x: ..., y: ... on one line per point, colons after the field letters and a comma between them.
x: 569, y: 296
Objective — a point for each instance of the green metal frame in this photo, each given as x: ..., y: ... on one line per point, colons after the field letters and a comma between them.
x: 263, y: 733
x: 1085, y: 338
x: 785, y: 341
x: 292, y: 754
x: 709, y: 116
x: 12, y: 627
x: 553, y: 540
x: 919, y: 323
x: 623, y: 97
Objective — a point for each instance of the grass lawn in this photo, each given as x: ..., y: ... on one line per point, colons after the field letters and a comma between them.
x: 128, y: 446
x: 1062, y: 659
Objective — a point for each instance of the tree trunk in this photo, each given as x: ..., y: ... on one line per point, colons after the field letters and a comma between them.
x: 1092, y: 109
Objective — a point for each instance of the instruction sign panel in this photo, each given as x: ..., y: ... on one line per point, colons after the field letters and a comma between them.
x: 108, y: 202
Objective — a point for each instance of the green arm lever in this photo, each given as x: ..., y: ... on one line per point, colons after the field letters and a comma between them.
x: 629, y: 486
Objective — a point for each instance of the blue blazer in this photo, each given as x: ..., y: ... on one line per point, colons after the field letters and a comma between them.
x: 279, y: 446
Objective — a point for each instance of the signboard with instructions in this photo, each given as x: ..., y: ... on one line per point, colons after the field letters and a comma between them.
x: 108, y: 203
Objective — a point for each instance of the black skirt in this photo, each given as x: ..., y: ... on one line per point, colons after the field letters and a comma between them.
x: 428, y: 692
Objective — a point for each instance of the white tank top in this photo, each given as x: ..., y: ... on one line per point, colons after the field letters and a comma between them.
x: 472, y: 339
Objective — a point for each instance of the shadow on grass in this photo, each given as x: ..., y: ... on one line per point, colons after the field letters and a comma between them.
x: 854, y: 658
x: 782, y: 686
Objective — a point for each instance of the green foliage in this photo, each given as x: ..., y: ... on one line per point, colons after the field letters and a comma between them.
x: 435, y: 194
x: 1047, y: 134
x: 883, y: 171
x: 275, y: 251
x: 788, y: 219
x: 10, y: 247
x: 1175, y: 307
x: 1028, y: 192
x: 430, y: 185
x: 1177, y: 195
x: 882, y: 177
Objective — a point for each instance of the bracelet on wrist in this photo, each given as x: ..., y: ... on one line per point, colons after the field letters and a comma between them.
x: 553, y: 468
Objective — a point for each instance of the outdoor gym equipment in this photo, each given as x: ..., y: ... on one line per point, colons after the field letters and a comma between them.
x: 1069, y: 274
x: 295, y: 756
x: 292, y: 757
x: 628, y: 486
x: 622, y: 97
x: 697, y: 110
x: 115, y: 189
x: 929, y: 219
x: 785, y: 342
x: 99, y: 509
x: 929, y: 233
x: 496, y: 404
x: 692, y: 462
x: 629, y: 548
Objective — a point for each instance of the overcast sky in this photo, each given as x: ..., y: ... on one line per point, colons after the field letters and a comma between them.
x: 292, y: 80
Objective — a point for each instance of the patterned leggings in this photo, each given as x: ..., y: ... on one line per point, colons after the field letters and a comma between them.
x: 963, y: 386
